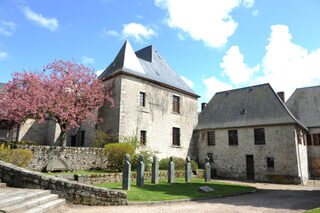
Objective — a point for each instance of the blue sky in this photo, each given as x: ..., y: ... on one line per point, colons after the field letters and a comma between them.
x: 214, y: 45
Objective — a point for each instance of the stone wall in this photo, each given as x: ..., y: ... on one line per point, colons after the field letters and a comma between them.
x: 280, y: 143
x: 73, y: 192
x: 79, y: 158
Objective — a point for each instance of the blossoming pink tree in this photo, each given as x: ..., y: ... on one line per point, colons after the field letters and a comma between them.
x: 66, y: 92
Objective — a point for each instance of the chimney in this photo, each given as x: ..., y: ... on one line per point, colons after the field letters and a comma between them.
x: 203, y: 105
x: 281, y: 96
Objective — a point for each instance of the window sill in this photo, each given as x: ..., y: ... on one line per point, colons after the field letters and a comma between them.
x: 175, y: 146
x: 176, y: 113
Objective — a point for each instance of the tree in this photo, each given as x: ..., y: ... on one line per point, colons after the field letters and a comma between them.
x: 64, y: 91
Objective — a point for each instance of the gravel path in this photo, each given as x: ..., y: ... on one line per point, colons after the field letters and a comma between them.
x: 269, y: 198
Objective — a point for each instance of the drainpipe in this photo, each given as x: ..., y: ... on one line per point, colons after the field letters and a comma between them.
x: 299, y: 158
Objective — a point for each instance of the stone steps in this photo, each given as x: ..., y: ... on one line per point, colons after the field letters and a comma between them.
x: 28, y: 200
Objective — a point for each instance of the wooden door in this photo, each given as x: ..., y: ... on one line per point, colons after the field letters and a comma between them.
x: 250, y: 167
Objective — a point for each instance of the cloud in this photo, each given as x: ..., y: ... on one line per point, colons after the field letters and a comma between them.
x: 49, y: 23
x: 87, y: 60
x: 99, y: 72
x: 286, y: 65
x: 188, y: 82
x: 255, y: 12
x: 3, y: 55
x: 248, y: 3
x: 137, y: 31
x: 7, y: 28
x: 180, y: 37
x: 235, y: 68
x: 214, y: 85
x: 205, y: 20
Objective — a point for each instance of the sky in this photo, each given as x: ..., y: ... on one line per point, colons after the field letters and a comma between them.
x: 214, y: 45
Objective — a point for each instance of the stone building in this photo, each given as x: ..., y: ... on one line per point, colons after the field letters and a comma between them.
x: 152, y: 102
x: 249, y: 133
x: 304, y: 103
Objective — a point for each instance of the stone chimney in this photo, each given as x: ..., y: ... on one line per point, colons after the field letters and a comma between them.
x: 281, y: 96
x: 203, y: 105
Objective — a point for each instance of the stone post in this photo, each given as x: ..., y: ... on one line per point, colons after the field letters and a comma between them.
x: 171, y: 171
x: 188, y: 170
x: 126, y: 173
x: 140, y: 172
x: 207, y: 170
x: 155, y: 170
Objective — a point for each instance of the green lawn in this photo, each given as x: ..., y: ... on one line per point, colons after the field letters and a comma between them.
x: 178, y: 190
x: 317, y: 210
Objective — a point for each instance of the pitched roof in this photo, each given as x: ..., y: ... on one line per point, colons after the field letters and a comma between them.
x: 148, y: 64
x: 2, y: 85
x: 251, y: 106
x: 304, y: 103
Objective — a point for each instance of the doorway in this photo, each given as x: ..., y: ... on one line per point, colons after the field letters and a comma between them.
x: 250, y: 167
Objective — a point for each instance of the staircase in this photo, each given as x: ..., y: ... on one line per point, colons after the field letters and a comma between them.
x: 27, y: 200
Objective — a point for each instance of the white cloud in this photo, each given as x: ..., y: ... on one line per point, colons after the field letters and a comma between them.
x: 3, y: 55
x: 137, y: 31
x: 188, y: 82
x: 214, y: 85
x: 205, y: 20
x: 49, y: 23
x: 255, y: 12
x: 180, y: 37
x: 87, y: 60
x: 235, y: 68
x: 7, y: 28
x: 286, y: 65
x: 99, y: 72
x: 248, y: 3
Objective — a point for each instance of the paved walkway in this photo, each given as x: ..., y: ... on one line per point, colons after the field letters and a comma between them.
x: 269, y: 198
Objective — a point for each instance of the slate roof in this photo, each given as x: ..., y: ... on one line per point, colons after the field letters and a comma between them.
x: 251, y: 106
x: 304, y: 103
x: 2, y: 85
x: 148, y: 64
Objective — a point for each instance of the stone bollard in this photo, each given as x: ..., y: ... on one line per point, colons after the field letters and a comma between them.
x: 171, y: 171
x: 207, y: 170
x: 188, y: 170
x: 126, y: 173
x: 140, y: 172
x: 155, y: 170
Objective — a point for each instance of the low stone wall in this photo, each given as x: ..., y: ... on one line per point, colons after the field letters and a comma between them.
x: 117, y: 177
x: 72, y: 191
x: 79, y: 158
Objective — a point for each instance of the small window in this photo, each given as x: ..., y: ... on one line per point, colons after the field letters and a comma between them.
x: 211, y: 139
x: 299, y: 135
x: 210, y: 156
x: 316, y: 139
x: 176, y: 136
x: 270, y: 162
x: 309, y: 142
x: 142, y: 99
x: 233, y: 137
x: 259, y: 137
x: 176, y: 104
x: 143, y: 137
x: 82, y: 137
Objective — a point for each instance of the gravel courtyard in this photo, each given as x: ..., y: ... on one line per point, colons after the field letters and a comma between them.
x: 268, y: 198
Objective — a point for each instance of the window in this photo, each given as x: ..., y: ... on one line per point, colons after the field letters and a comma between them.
x: 142, y: 99
x: 299, y: 135
x: 211, y: 139
x: 309, y: 142
x: 270, y: 162
x: 210, y: 156
x: 176, y: 104
x: 143, y: 137
x: 316, y: 139
x: 259, y: 138
x: 82, y: 134
x: 233, y: 137
x: 176, y: 136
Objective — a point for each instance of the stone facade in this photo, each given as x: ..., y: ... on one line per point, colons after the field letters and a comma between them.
x: 280, y: 144
x: 79, y: 158
x: 73, y: 192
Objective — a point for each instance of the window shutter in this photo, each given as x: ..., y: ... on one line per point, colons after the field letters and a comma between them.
x: 315, y: 139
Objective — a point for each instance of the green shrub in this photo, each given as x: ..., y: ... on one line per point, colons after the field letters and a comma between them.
x: 194, y: 165
x: 21, y: 157
x: 132, y: 140
x: 101, y: 138
x: 115, y: 154
x: 179, y: 163
x: 147, y: 159
x: 5, y: 153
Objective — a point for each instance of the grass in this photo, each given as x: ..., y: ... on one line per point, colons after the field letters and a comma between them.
x: 178, y: 190
x: 316, y: 210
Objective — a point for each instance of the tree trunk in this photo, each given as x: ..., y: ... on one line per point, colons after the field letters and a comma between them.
x: 63, y: 137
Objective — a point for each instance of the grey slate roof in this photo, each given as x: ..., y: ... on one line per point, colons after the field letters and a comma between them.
x: 2, y: 85
x: 261, y: 105
x: 304, y: 103
x: 154, y: 66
